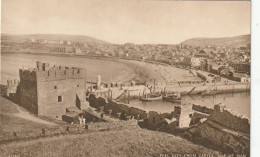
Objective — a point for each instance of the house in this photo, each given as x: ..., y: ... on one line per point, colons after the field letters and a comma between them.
x: 78, y: 51
x: 241, y: 67
x: 187, y: 61
x: 195, y: 62
x: 67, y: 42
x: 201, y: 54
x: 241, y: 77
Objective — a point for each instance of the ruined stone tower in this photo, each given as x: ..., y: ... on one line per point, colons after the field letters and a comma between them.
x: 49, y: 90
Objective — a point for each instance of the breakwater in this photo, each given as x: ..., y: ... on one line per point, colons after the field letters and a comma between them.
x: 195, y: 88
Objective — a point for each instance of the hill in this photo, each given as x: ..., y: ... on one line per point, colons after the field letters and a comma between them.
x: 126, y: 142
x: 72, y: 38
x: 231, y: 42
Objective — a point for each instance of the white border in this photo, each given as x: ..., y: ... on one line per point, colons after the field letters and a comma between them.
x: 255, y: 78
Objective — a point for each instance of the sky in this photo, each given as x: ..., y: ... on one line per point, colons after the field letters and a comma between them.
x: 128, y: 21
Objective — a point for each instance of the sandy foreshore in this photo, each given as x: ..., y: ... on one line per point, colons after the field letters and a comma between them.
x: 161, y: 74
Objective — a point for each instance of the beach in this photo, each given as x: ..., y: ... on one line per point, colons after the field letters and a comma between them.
x: 161, y: 74
x: 111, y: 70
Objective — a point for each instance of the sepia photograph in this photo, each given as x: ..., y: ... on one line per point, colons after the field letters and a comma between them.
x: 125, y: 78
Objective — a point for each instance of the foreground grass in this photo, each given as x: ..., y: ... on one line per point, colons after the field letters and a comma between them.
x: 137, y: 142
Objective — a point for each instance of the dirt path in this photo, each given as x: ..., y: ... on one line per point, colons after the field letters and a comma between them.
x: 28, y: 116
x: 21, y: 113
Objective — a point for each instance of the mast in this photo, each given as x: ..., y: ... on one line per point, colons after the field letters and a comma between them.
x: 154, y: 86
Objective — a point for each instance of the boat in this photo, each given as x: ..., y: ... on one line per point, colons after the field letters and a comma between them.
x: 151, y: 97
x: 172, y: 98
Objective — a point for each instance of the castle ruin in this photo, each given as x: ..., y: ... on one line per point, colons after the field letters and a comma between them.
x: 49, y: 91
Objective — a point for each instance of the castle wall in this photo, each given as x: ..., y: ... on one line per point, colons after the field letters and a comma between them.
x: 72, y: 92
x: 153, y: 118
x: 60, y: 73
x: 229, y: 119
x: 186, y: 115
x: 138, y: 113
x: 116, y: 108
x: 28, y: 90
x: 49, y: 91
x: 183, y: 114
x: 220, y: 136
x: 202, y: 109
x: 11, y: 87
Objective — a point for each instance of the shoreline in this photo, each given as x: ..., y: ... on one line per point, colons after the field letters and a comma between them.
x: 140, y: 71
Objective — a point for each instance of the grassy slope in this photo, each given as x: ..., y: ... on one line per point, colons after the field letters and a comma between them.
x: 73, y: 38
x: 136, y: 142
x: 228, y: 41
x: 9, y: 122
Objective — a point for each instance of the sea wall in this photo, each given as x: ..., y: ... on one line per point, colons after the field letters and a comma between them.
x: 198, y: 88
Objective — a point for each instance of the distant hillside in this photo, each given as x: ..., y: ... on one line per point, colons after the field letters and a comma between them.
x: 73, y: 38
x: 237, y: 41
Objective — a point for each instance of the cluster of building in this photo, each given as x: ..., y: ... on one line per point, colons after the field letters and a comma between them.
x: 235, y: 71
x: 231, y: 62
x: 166, y: 53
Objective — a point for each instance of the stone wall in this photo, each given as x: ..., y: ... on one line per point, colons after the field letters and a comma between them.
x: 138, y: 113
x: 116, y: 109
x: 229, y: 119
x: 71, y: 91
x: 202, y: 109
x: 154, y: 118
x: 28, y: 95
x: 226, y: 130
x: 12, y: 86
x: 186, y: 115
x: 224, y: 139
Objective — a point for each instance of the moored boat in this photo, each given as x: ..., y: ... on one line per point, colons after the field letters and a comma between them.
x: 176, y: 97
x: 151, y: 97
x: 172, y: 98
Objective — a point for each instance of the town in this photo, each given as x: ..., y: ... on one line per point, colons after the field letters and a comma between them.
x: 126, y: 78
x: 231, y: 61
